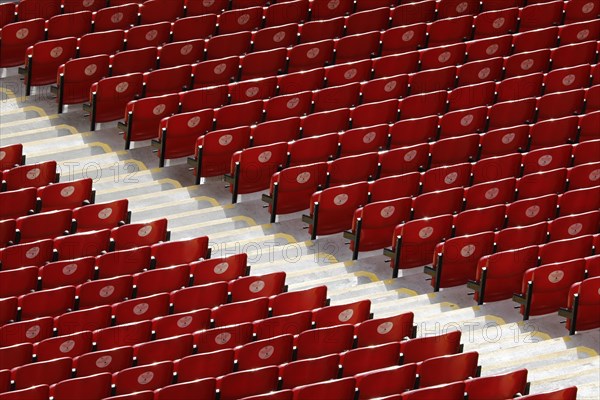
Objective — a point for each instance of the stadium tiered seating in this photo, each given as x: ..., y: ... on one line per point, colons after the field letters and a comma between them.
x: 462, y: 134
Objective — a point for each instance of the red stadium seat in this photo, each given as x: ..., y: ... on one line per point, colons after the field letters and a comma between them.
x: 143, y: 116
x: 506, y: 385
x: 415, y: 158
x: 101, y: 361
x: 98, y: 385
x: 105, y: 291
x: 527, y: 62
x: 42, y: 372
x: 123, y: 262
x: 455, y: 260
x: 66, y: 195
x: 369, y: 358
x: 480, y: 71
x: 511, y: 113
x: 535, y: 39
x: 339, y: 388
x: 322, y: 341
x: 122, y: 335
x: 545, y: 289
x: 247, y: 383
x: 560, y: 104
x: 116, y: 17
x: 224, y: 46
x: 581, y: 303
x: 84, y: 244
x: 109, y: 97
x: 7, y: 14
x: 352, y: 313
x: 31, y: 331
x: 449, y: 30
x: 29, y: 9
x: 291, y: 12
x: 194, y: 27
x: 47, y: 225
x: 131, y: 61
x: 423, y: 105
x: 15, y: 356
x: 569, y: 393
x: 70, y: 272
x: 496, y: 22
x: 372, y: 225
x: 49, y: 302
x: 179, y: 53
x: 296, y: 301
x: 521, y: 236
x: 412, y: 13
x: 490, y: 50
x: 310, y: 55
x: 357, y: 47
x: 64, y: 346
x: 290, y: 189
x: 204, y: 388
x: 413, y: 242
x: 220, y: 269
x: 76, y: 76
x: 38, y: 392
x: 424, y: 348
x: 148, y: 377
x: 17, y: 203
x: 262, y: 353
x: 432, y: 80
x: 161, y: 280
x: 141, y: 308
x: 395, y: 64
x: 540, y: 15
x: 252, y: 168
x: 99, y: 43
x: 583, y: 176
x: 31, y: 175
x: 182, y: 323
x: 18, y: 281
x: 205, y: 365
x: 16, y: 38
x: 83, y: 320
x: 172, y: 348
x: 214, y: 150
x: 579, y: 32
x: 160, y: 10
x: 70, y: 25
x: 351, y: 169
x: 247, y: 19
x: 250, y: 287
x: 23, y: 255
x: 578, y: 201
x: 442, y: 56
x: 199, y: 7
x: 138, y: 235
x: 101, y: 215
x: 307, y: 371
x: 374, y: 19
x: 331, y: 210
x: 148, y: 35
x: 294, y: 323
x: 180, y: 252
x: 414, y: 131
x: 520, y: 87
x: 449, y: 391
x: 8, y: 313
x: 386, y: 381
x: 403, y: 38
x: 240, y: 312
